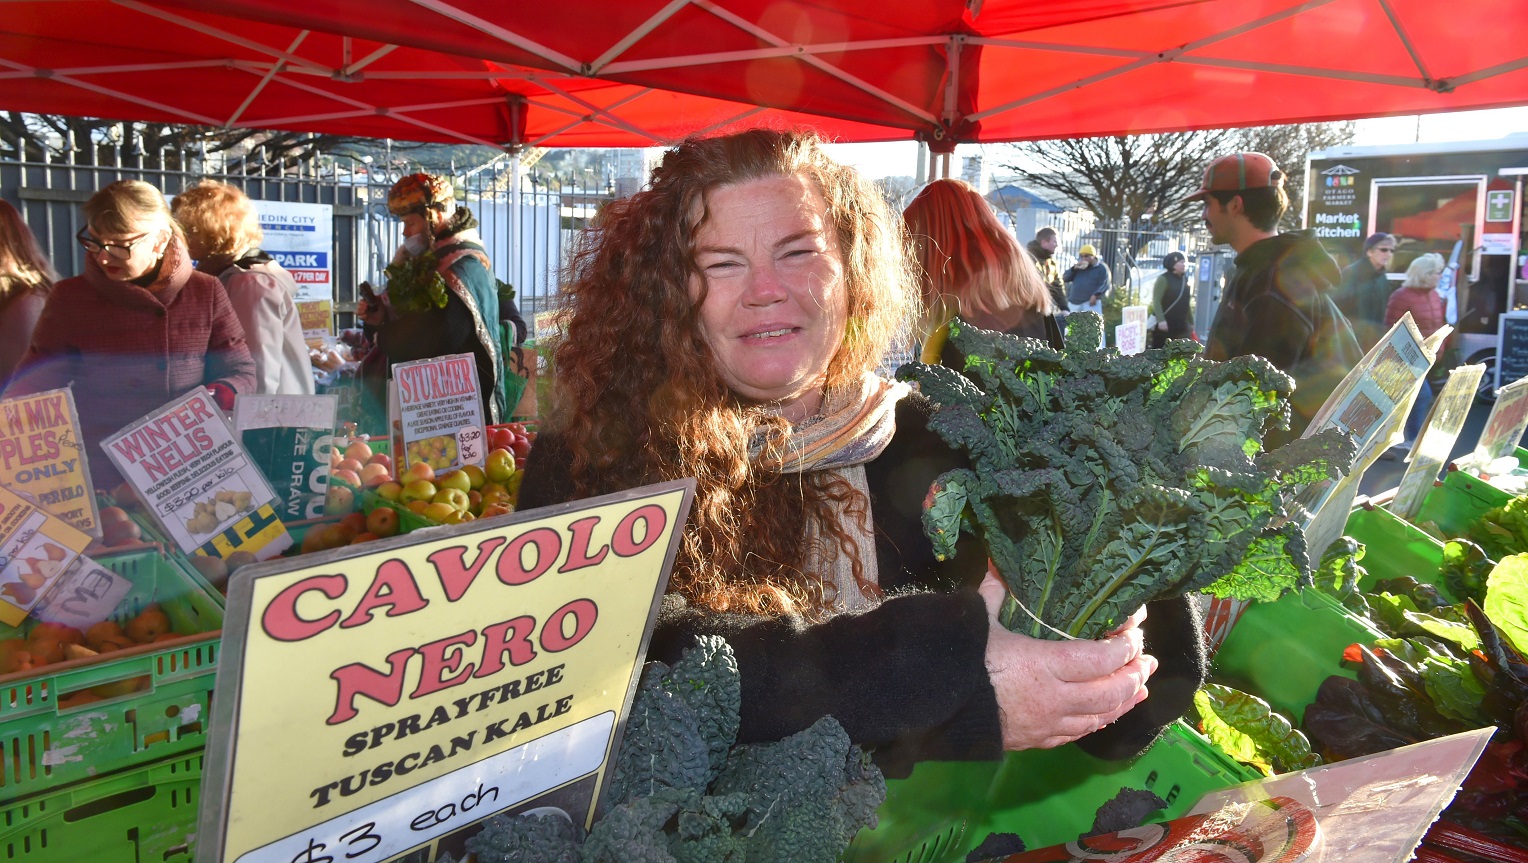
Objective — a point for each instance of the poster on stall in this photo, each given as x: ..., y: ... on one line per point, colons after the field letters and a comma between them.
x: 378, y: 701
x: 317, y: 320
x: 1371, y: 404
x: 1374, y: 809
x: 197, y: 482
x: 1504, y: 427
x: 1436, y: 440
x: 41, y: 457
x: 441, y: 409
x: 301, y: 239
x: 35, y: 550
x: 289, y: 438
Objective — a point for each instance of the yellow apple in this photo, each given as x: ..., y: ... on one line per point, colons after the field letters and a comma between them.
x: 475, y: 475
x: 438, y: 511
x: 452, y: 497
x: 454, y: 479
x: 419, y: 489
x: 390, y: 490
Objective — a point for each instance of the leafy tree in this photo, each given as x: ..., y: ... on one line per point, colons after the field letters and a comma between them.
x: 1134, y: 175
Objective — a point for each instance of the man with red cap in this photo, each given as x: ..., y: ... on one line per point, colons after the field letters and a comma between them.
x: 1278, y: 303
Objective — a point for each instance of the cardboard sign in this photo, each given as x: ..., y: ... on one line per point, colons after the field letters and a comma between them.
x: 317, y: 320
x: 1504, y: 427
x: 1436, y: 441
x: 441, y: 408
x: 380, y: 699
x: 289, y: 438
x: 1130, y: 337
x: 197, y: 482
x: 86, y: 594
x: 35, y: 550
x: 41, y: 457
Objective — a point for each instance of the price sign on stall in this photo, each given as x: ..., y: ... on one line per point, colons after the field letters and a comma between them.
x: 437, y: 401
x: 378, y: 701
x: 197, y: 482
x: 41, y: 456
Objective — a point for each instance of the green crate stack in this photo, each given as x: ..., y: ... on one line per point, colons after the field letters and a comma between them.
x: 1046, y: 796
x: 1450, y: 507
x: 154, y: 699
x: 1281, y: 651
x: 147, y: 813
x: 1394, y: 548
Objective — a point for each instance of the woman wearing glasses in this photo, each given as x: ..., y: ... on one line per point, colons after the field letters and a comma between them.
x: 139, y: 328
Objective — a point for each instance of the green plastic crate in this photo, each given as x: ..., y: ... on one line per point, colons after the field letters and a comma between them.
x: 1448, y: 510
x: 144, y: 814
x: 1282, y: 651
x: 1046, y: 796
x: 165, y: 691
x: 1394, y: 548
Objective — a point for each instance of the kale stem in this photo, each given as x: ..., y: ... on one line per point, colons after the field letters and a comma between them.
x: 1115, y: 583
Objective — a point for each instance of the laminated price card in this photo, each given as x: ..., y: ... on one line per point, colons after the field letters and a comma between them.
x: 41, y: 457
x: 377, y: 702
x: 35, y: 551
x: 441, y: 409
x: 197, y: 482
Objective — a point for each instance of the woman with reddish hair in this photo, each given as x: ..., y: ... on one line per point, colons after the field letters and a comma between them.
x: 972, y: 266
x: 725, y: 325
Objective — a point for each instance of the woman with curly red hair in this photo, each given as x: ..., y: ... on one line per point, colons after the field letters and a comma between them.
x: 725, y: 324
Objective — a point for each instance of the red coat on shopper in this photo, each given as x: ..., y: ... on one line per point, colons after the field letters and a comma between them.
x: 126, y: 350
x: 1425, y: 305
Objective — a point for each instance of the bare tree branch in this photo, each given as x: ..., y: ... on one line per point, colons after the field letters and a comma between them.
x: 1140, y: 175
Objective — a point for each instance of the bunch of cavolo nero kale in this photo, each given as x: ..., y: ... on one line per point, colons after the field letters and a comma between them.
x: 683, y: 792
x: 1099, y: 482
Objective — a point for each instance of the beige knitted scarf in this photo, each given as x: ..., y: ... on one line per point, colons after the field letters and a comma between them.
x: 854, y: 427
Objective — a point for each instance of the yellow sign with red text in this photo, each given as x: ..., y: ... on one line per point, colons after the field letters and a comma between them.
x: 374, y: 701
x: 41, y: 457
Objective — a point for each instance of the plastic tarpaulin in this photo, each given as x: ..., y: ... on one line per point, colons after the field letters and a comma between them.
x: 628, y: 72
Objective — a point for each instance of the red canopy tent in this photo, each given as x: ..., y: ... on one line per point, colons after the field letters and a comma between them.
x: 611, y: 73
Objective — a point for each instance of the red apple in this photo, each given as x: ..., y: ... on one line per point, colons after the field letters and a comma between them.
x: 500, y: 438
x: 374, y: 475
x: 382, y: 521
x: 350, y: 464
x: 347, y: 476
x: 383, y: 459
x: 360, y: 451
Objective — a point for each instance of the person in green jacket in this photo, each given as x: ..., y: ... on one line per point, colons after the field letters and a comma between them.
x: 1170, y: 298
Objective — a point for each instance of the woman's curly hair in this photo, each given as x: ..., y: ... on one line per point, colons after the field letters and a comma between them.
x: 639, y: 398
x: 220, y: 217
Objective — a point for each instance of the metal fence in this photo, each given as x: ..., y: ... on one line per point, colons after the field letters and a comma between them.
x: 527, y: 230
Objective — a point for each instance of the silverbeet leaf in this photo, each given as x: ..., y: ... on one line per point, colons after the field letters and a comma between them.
x: 1099, y: 482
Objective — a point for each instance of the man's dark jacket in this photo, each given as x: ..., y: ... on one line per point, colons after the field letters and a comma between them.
x: 1278, y: 305
x: 1362, y: 297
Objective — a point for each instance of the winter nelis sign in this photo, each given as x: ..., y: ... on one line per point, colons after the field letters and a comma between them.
x: 379, y: 701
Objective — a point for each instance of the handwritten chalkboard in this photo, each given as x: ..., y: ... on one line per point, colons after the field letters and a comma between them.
x: 1511, y: 347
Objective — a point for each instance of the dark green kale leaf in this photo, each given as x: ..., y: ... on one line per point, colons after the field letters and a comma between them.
x: 1099, y: 482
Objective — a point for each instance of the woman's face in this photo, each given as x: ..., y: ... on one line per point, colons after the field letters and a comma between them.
x: 1429, y: 278
x: 1179, y: 266
x: 775, y: 304
x: 146, y: 244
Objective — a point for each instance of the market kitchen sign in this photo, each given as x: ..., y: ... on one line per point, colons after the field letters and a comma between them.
x: 381, y: 700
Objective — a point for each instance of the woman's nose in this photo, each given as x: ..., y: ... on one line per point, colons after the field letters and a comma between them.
x: 764, y: 287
